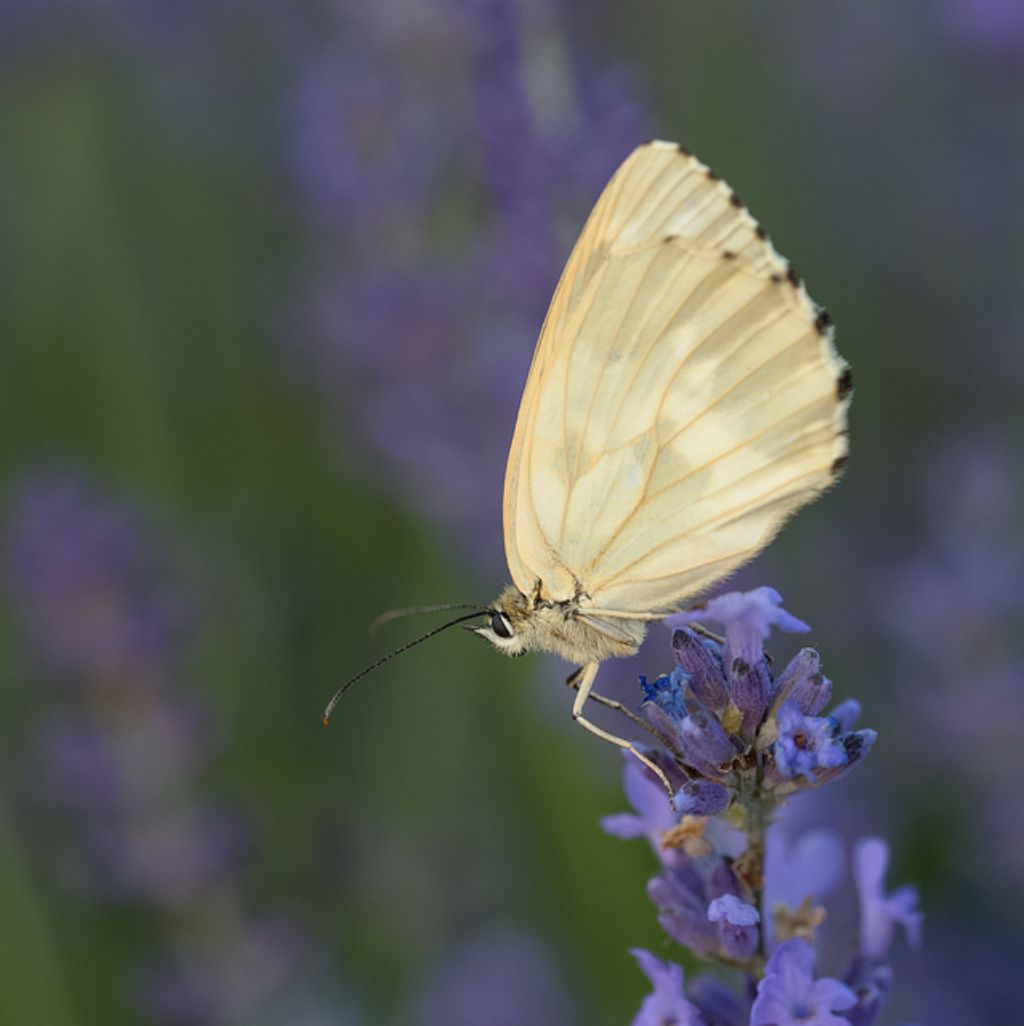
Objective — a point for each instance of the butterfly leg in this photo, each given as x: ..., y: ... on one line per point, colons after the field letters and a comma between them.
x: 584, y: 681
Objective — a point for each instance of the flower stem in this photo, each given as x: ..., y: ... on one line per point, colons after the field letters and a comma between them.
x: 758, y: 811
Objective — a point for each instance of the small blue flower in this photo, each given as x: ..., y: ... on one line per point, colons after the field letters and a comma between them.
x: 806, y: 743
x: 880, y: 912
x: 668, y: 1004
x: 667, y: 692
x: 789, y: 995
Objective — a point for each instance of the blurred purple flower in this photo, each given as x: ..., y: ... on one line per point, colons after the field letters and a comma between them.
x: 365, y: 145
x: 668, y: 1003
x: 789, y: 995
x: 994, y: 26
x: 807, y: 870
x: 718, y: 1003
x: 963, y: 581
x: 653, y: 815
x: 880, y: 912
x: 96, y: 594
x: 503, y: 978
x: 682, y: 894
x: 947, y: 176
x: 91, y: 584
x: 444, y: 163
x: 871, y: 983
x: 268, y: 973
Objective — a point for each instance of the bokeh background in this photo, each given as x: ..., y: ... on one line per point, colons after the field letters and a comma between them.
x: 270, y: 278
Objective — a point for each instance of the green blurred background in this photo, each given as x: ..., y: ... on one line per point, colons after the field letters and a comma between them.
x: 154, y: 260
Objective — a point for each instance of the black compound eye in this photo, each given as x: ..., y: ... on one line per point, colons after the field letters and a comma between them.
x: 500, y: 626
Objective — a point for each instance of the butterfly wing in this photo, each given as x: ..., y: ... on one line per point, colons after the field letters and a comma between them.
x: 685, y: 397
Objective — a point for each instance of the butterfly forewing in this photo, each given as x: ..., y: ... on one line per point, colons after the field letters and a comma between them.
x: 683, y: 400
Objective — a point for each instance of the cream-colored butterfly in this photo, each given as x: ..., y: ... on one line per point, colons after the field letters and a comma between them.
x: 684, y: 399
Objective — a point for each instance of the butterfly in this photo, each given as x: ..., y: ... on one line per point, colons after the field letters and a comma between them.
x: 685, y: 398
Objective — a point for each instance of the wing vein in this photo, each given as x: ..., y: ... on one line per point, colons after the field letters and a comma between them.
x: 695, y: 528
x: 604, y: 365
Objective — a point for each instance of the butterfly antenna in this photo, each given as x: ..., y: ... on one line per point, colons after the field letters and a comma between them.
x: 391, y: 655
x: 394, y: 614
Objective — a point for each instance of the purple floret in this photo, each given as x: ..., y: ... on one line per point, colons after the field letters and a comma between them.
x: 880, y: 912
x: 806, y: 744
x: 668, y: 1003
x: 789, y: 995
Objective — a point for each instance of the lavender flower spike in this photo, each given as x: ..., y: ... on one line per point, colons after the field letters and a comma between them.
x: 729, y: 887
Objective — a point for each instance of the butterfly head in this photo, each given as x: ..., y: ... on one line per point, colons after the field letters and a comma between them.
x: 509, y: 623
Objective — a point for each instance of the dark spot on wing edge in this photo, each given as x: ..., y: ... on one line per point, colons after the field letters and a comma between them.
x: 844, y: 386
x: 838, y: 464
x: 822, y: 321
